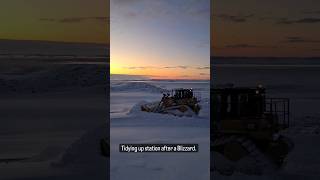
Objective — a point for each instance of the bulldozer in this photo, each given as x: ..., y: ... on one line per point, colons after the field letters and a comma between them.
x: 180, y: 102
x: 246, y: 131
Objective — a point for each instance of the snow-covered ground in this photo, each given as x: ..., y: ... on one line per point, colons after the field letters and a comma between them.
x: 54, y: 115
x: 130, y: 125
x: 52, y: 119
x: 297, y: 80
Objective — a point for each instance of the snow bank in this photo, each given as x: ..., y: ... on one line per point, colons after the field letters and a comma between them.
x: 136, y: 87
x: 125, y: 77
x: 85, y: 151
x: 53, y: 78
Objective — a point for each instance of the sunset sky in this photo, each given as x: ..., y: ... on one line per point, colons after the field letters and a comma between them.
x: 240, y: 28
x: 161, y: 39
x: 266, y: 28
x: 55, y: 20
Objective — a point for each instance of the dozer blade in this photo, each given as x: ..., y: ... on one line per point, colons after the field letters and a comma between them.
x: 238, y: 154
x: 176, y: 110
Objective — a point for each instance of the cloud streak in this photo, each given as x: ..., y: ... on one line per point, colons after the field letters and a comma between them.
x: 203, y: 68
x: 235, y: 46
x: 176, y: 67
x: 76, y: 19
x: 306, y: 20
x: 234, y: 18
x: 168, y: 67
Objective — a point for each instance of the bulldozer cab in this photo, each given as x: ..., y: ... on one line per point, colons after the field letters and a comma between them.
x: 181, y: 93
x: 248, y: 105
x: 238, y: 102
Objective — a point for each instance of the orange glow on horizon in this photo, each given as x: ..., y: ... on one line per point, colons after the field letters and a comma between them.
x: 154, y: 67
x: 160, y: 72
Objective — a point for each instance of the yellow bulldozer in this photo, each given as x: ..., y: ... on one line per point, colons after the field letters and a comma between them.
x: 180, y: 102
x: 246, y: 131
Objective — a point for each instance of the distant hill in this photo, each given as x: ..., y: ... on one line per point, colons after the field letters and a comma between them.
x: 265, y: 60
x: 41, y: 48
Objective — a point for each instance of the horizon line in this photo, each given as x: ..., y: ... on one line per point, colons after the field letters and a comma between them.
x: 150, y: 77
x: 273, y: 57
